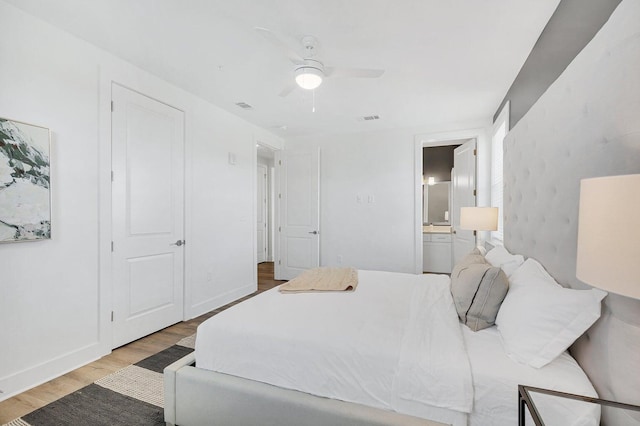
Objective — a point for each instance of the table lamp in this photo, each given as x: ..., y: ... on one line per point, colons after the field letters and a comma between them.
x: 479, y: 219
x: 609, y: 234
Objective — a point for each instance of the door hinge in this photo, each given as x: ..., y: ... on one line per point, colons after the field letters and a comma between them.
x: 280, y: 162
x: 474, y: 192
x: 111, y: 106
x: 279, y: 195
x: 475, y: 233
x: 111, y: 316
x: 279, y: 229
x: 475, y: 152
x: 111, y: 246
x: 111, y: 175
x: 279, y: 262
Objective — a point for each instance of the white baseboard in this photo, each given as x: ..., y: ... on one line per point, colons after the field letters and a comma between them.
x: 41, y: 373
x: 215, y: 302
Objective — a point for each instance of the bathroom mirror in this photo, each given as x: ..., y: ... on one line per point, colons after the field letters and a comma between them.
x: 436, y: 203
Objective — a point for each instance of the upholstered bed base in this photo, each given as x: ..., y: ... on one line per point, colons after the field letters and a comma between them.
x: 194, y: 396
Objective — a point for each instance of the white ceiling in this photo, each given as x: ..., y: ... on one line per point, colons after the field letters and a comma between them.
x: 446, y: 61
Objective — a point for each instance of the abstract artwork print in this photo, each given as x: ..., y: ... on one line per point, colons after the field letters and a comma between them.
x: 25, y: 184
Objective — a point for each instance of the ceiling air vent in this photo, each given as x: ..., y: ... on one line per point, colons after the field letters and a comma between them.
x: 244, y: 105
x: 369, y: 118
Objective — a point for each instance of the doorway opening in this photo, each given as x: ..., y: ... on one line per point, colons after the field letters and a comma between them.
x: 265, y: 203
x: 440, y: 191
x: 437, y: 205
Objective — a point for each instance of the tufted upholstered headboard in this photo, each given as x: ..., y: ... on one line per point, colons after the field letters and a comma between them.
x: 587, y: 124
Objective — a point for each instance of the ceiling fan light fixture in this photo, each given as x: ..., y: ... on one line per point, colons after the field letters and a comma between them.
x: 308, y: 78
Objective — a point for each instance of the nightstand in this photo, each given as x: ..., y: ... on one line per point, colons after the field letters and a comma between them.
x: 527, y: 396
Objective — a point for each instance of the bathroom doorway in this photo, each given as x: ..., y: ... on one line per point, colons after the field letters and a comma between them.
x: 436, y: 233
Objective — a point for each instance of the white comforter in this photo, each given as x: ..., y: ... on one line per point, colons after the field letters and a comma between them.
x: 395, y: 343
x: 496, y: 378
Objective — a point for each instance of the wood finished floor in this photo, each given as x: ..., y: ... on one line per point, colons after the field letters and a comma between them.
x: 50, y: 391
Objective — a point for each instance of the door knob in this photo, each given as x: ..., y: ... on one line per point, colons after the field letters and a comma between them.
x: 314, y: 232
x: 178, y: 243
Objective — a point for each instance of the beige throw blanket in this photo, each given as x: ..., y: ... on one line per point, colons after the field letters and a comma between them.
x: 322, y: 279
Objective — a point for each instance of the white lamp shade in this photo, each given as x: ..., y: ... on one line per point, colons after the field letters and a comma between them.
x: 609, y: 234
x: 308, y: 77
x: 479, y: 218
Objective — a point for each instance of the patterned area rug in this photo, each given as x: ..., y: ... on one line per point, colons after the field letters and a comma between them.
x: 133, y: 395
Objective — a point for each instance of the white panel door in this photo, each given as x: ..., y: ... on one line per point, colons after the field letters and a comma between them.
x: 299, y: 197
x: 148, y: 215
x: 464, y: 187
x: 261, y: 213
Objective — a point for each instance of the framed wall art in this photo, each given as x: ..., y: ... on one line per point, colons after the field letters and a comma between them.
x: 25, y: 182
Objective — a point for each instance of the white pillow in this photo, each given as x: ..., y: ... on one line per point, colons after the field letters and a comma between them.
x: 500, y: 257
x: 539, y: 319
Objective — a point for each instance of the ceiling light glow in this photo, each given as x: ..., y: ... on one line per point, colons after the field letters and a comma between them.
x: 308, y: 78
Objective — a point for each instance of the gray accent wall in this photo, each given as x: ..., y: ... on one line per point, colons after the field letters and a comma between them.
x: 570, y: 29
x: 437, y: 161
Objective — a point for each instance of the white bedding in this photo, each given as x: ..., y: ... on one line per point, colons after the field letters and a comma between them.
x: 394, y: 343
x: 496, y: 378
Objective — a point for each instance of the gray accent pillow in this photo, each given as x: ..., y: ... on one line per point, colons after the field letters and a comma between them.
x: 478, y: 290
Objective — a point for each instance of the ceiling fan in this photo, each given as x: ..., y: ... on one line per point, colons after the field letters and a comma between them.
x: 309, y: 72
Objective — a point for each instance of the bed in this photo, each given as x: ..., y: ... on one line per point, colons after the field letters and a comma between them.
x: 392, y: 352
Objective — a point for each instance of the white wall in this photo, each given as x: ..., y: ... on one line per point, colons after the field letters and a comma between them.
x: 221, y: 212
x: 55, y: 295
x: 381, y: 234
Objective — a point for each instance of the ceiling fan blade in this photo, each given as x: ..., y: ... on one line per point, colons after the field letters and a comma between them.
x: 287, y: 89
x: 352, y: 72
x: 276, y: 41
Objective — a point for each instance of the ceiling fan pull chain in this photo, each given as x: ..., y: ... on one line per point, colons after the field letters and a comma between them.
x: 313, y: 107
